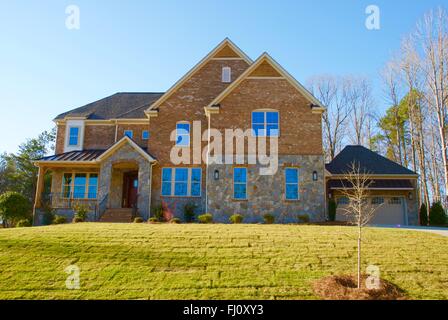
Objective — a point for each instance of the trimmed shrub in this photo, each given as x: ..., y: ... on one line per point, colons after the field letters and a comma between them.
x: 158, y: 213
x: 175, y: 220
x: 189, y: 210
x: 268, y: 218
x: 236, y: 218
x: 23, y: 223
x: 205, y: 218
x: 14, y: 207
x: 138, y: 220
x: 81, y: 211
x: 437, y: 215
x: 59, y: 219
x: 332, y: 206
x: 77, y: 220
x: 303, y: 218
x: 153, y: 220
x: 423, y: 215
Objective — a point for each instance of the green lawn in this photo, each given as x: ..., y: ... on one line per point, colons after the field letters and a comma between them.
x: 168, y: 261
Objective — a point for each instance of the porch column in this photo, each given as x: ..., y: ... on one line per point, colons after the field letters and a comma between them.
x: 38, y: 196
x: 39, y: 187
x: 105, y: 181
x: 144, y: 187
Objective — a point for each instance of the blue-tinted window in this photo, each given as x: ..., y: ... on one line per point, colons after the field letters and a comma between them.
x: 93, y: 186
x: 79, y: 189
x: 128, y: 133
x: 183, y: 134
x: 80, y: 185
x: 265, y: 123
x: 145, y: 134
x: 181, y: 182
x: 292, y: 184
x: 240, y: 183
x: 73, y: 136
x: 166, y: 181
x: 195, y: 182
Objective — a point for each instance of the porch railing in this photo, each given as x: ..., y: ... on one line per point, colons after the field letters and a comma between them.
x: 101, y: 208
x: 135, y: 208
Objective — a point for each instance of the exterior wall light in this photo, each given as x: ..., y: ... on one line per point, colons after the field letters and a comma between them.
x: 410, y: 196
x: 216, y: 174
x: 314, y: 175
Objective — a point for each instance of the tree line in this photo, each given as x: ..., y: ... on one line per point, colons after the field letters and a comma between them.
x: 413, y: 129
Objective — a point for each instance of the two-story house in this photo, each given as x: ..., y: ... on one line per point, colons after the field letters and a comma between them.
x: 116, y: 155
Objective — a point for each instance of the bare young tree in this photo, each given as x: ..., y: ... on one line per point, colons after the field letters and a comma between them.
x: 359, y: 210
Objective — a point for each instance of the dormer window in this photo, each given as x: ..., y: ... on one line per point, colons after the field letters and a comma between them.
x: 73, y: 136
x: 226, y: 74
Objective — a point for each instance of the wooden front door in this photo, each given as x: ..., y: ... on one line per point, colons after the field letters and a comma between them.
x: 130, y: 189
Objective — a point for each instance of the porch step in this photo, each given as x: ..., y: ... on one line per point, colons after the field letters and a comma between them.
x: 117, y: 215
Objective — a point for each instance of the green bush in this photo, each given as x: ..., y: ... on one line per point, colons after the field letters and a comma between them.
x: 189, y: 210
x: 153, y: 220
x: 236, y: 218
x: 175, y: 220
x: 269, y: 218
x: 205, y: 218
x: 81, y: 211
x: 14, y: 207
x: 23, y: 223
x: 158, y: 213
x: 303, y: 218
x: 437, y: 215
x: 59, y: 219
x: 77, y: 220
x: 332, y: 206
x: 423, y: 215
x: 138, y: 220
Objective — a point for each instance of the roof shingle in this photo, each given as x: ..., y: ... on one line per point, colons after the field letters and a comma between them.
x: 122, y: 105
x: 369, y: 161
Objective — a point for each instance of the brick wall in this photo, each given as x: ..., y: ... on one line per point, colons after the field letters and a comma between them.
x: 300, y: 129
x: 186, y: 104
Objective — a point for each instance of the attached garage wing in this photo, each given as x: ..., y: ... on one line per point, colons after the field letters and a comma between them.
x: 390, y: 210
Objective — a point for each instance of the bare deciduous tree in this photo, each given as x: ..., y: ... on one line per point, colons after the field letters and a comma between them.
x: 332, y: 92
x: 359, y: 210
x: 432, y: 34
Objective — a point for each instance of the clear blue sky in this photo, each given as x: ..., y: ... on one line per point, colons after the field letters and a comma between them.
x: 46, y: 69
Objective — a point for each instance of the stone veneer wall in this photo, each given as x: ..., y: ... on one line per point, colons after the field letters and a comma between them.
x: 128, y: 154
x: 266, y: 193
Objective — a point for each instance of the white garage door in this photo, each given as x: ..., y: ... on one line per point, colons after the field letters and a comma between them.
x: 391, y: 210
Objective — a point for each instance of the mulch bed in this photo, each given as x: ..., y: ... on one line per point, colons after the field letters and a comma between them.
x: 344, y: 287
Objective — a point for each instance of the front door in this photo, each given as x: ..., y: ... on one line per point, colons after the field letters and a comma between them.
x: 130, y: 189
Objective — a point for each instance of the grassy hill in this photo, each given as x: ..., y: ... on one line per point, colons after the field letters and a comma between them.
x: 191, y: 261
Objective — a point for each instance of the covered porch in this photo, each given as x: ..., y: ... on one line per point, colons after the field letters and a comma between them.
x: 99, y: 180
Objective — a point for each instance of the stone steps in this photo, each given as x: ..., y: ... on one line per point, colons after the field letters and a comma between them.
x: 121, y: 215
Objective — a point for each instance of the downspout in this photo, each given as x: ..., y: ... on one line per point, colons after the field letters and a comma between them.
x: 207, y: 159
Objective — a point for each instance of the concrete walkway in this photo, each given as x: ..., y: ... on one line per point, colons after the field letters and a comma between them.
x: 436, y: 230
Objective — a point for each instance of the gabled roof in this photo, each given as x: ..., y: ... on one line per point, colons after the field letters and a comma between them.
x: 225, y: 43
x: 369, y: 162
x: 265, y: 58
x: 121, y: 105
x: 122, y: 142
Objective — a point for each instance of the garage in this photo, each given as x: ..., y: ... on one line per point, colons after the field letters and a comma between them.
x: 390, y: 210
x: 391, y: 187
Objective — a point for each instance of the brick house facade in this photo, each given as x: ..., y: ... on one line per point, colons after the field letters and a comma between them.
x: 115, y: 155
